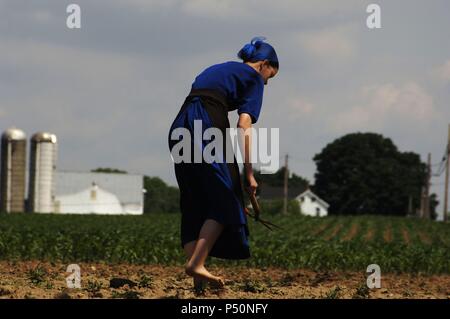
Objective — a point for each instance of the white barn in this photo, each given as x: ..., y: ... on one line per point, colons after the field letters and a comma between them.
x: 311, y: 204
x: 98, y: 193
x: 93, y: 200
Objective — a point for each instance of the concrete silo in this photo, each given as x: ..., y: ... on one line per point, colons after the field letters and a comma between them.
x: 41, y: 190
x: 13, y: 169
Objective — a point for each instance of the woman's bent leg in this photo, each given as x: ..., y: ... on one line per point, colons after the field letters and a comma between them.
x: 195, y: 267
x: 199, y: 284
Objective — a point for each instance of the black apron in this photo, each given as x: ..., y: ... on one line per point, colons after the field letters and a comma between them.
x: 233, y: 241
x: 217, y: 107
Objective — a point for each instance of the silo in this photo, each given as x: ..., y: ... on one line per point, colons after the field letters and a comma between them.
x: 41, y: 190
x: 13, y: 169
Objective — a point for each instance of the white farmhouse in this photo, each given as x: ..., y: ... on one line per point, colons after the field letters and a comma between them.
x: 312, y: 205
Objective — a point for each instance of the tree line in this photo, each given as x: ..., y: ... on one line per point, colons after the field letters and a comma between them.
x: 357, y: 174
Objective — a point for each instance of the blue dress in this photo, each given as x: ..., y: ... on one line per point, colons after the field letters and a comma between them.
x: 214, y: 190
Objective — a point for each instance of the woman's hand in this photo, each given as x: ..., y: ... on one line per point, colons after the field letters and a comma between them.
x: 252, y: 184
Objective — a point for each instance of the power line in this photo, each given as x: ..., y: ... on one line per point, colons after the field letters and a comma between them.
x: 443, y: 163
x: 286, y: 179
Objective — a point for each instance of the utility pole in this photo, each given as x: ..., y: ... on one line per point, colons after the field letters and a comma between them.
x: 447, y: 169
x: 426, y: 211
x: 422, y: 202
x: 286, y: 177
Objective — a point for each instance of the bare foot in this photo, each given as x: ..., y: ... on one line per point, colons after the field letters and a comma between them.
x: 201, y: 274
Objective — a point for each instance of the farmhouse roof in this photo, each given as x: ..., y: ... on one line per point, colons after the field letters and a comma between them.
x: 308, y: 192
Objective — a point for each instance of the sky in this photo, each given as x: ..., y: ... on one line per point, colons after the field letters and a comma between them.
x: 110, y: 90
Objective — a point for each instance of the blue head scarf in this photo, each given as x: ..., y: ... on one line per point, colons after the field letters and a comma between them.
x: 258, y: 50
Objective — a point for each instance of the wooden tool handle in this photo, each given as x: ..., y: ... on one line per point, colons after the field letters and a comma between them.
x: 255, y: 206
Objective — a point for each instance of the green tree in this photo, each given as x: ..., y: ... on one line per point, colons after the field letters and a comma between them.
x: 364, y: 173
x: 277, y: 179
x: 159, y: 197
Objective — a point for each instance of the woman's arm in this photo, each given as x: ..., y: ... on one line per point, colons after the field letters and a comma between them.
x: 245, y: 138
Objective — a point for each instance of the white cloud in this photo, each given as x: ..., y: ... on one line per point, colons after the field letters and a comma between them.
x: 42, y: 16
x: 443, y: 71
x: 298, y: 107
x: 388, y: 105
x: 70, y: 63
x: 217, y: 9
x: 330, y: 44
x: 147, y: 5
x: 251, y: 9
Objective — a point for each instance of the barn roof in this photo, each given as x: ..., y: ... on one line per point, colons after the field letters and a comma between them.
x: 127, y: 187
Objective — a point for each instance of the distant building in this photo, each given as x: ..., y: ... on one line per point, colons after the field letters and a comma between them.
x: 63, y: 192
x: 98, y: 193
x: 276, y: 192
x: 312, y: 205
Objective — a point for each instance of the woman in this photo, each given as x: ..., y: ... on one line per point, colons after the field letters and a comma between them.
x: 213, y: 220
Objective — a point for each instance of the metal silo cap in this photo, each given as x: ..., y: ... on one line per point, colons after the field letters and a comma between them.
x: 14, y: 134
x: 41, y: 137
